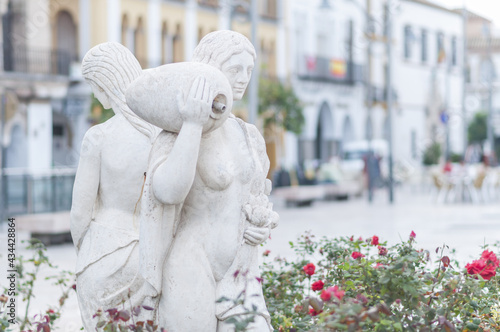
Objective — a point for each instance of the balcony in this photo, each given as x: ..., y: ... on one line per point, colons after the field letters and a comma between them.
x: 378, y: 95
x: 329, y: 70
x: 214, y: 4
x: 23, y: 59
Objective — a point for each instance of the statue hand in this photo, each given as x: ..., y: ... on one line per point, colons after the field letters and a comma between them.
x: 198, y: 105
x: 256, y: 235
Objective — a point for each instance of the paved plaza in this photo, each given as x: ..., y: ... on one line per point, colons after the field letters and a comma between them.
x: 465, y: 227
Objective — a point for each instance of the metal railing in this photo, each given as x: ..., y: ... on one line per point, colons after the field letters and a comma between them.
x: 41, y: 192
x: 329, y: 70
x: 23, y: 59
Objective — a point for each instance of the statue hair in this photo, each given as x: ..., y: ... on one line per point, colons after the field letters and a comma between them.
x: 112, y: 67
x: 218, y: 46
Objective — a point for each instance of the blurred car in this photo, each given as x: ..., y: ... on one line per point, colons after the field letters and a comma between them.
x: 355, y: 155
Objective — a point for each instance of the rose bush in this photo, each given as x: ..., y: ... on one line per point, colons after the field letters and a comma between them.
x: 344, y: 284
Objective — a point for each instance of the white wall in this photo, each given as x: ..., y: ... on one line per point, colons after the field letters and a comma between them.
x: 39, y: 136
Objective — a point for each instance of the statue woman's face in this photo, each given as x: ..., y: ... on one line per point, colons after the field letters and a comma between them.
x: 100, y: 95
x: 238, y: 70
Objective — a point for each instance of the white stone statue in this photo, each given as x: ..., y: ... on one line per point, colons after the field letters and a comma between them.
x: 108, y: 188
x: 205, y: 207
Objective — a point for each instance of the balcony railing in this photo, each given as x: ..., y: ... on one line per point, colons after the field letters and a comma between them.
x: 27, y: 192
x: 329, y: 70
x: 23, y: 59
x: 379, y: 94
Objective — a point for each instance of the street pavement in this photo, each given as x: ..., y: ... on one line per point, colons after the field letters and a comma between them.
x: 464, y: 227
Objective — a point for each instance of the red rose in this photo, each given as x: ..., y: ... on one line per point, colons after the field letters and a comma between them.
x: 490, y: 257
x: 309, y: 269
x: 413, y: 235
x: 317, y: 285
x: 382, y: 251
x: 351, y: 238
x: 313, y: 312
x: 375, y: 240
x: 357, y: 255
x: 481, y: 267
x: 326, y: 295
x: 339, y: 294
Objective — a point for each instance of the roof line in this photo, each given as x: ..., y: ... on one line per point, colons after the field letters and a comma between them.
x: 434, y: 5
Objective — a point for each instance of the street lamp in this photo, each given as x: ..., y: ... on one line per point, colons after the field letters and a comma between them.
x: 388, y: 83
x: 370, y: 161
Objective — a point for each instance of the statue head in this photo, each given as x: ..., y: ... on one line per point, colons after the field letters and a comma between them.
x: 230, y: 52
x: 109, y: 68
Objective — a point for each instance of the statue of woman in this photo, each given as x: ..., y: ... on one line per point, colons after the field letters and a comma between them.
x: 206, y: 186
x: 108, y: 187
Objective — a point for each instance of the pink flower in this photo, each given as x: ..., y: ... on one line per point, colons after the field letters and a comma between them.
x: 378, y: 265
x: 351, y: 238
x: 413, y: 235
x: 357, y: 255
x: 317, y: 285
x: 309, y: 269
x: 266, y: 253
x: 326, y: 295
x: 375, y: 240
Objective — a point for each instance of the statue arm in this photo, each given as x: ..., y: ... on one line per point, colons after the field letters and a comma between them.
x: 260, y: 212
x: 86, y: 185
x: 173, y: 179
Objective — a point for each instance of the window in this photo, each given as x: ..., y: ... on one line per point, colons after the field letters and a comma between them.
x: 423, y: 41
x: 414, y: 150
x: 322, y: 45
x: 350, y: 40
x: 441, y: 55
x: 269, y: 8
x: 454, y: 51
x: 178, y: 52
x: 408, y: 42
x: 167, y: 45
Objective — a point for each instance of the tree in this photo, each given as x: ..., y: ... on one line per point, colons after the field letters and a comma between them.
x: 280, y: 106
x: 477, y: 131
x: 98, y: 113
x: 432, y: 154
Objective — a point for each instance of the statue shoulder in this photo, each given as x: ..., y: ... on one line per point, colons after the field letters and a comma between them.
x: 93, y: 139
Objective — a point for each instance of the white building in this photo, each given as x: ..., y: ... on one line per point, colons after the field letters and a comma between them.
x: 426, y: 76
x: 428, y: 79
x: 326, y: 69
x: 480, y: 49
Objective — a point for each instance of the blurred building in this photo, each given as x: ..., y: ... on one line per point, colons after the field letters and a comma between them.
x: 326, y: 67
x: 339, y: 64
x: 483, y: 61
x: 428, y: 80
x: 45, y: 103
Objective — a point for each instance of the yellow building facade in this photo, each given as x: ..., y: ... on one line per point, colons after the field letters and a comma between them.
x: 157, y: 31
